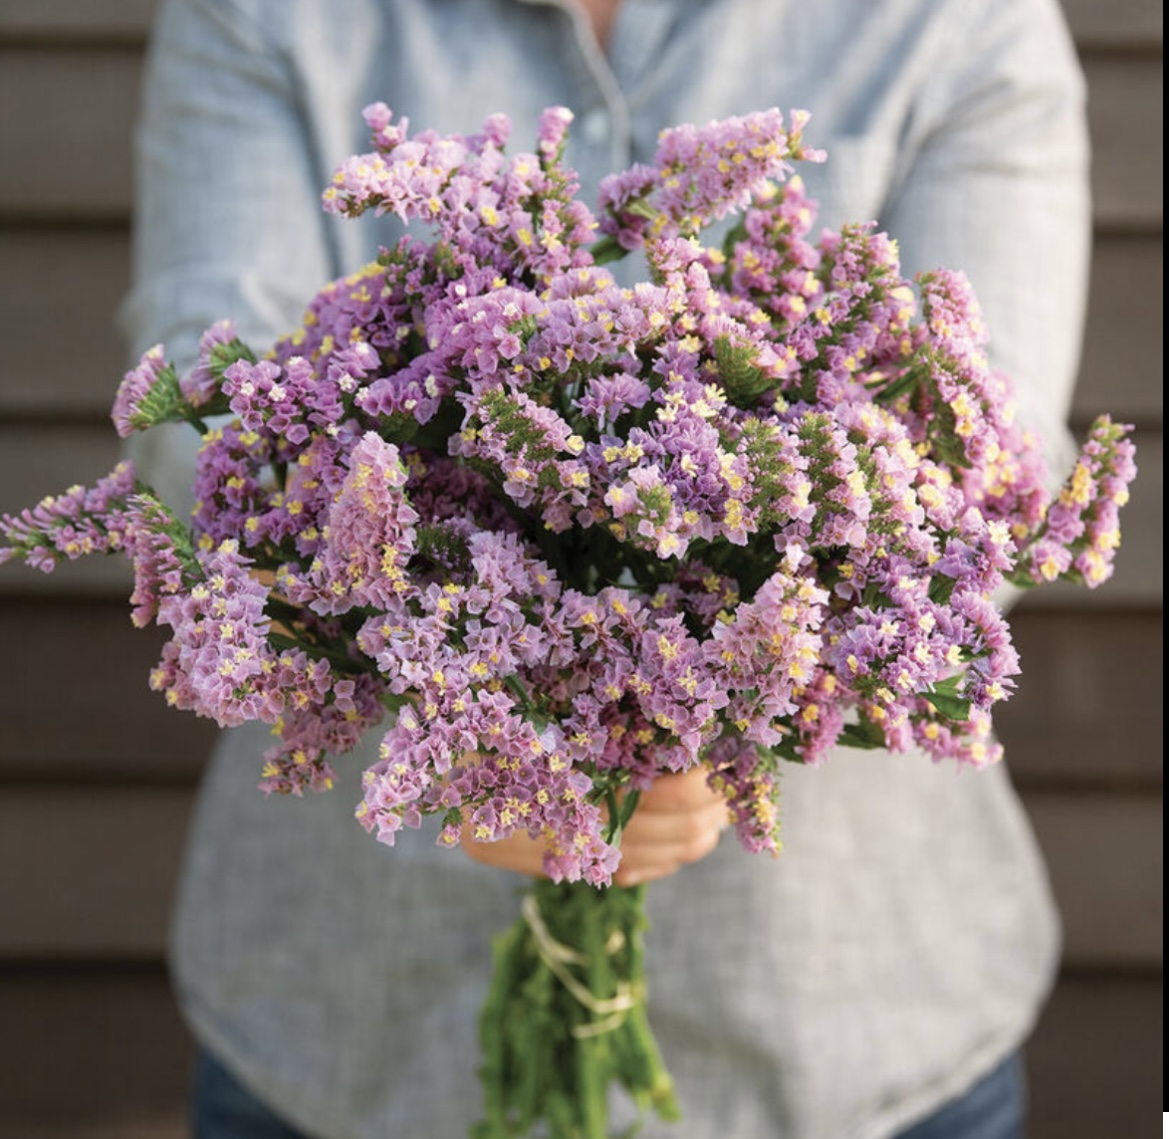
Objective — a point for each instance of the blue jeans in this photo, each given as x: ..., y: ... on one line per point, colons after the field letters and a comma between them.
x: 993, y: 1109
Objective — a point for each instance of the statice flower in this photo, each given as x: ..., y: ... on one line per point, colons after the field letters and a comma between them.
x: 161, y: 553
x: 201, y: 385
x: 145, y: 394
x: 773, y: 264
x: 1081, y: 532
x: 568, y: 535
x: 747, y: 776
x: 558, y: 538
x: 767, y: 652
x: 80, y: 521
x: 216, y: 662
x: 368, y: 537
x: 700, y: 174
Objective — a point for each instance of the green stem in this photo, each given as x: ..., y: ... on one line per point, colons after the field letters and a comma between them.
x: 548, y: 1059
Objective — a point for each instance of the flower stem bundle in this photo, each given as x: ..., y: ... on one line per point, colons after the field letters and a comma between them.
x: 565, y: 1017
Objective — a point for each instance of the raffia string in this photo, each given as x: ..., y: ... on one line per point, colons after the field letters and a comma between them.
x: 557, y: 956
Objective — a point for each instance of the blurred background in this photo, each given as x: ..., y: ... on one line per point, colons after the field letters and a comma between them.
x: 96, y: 776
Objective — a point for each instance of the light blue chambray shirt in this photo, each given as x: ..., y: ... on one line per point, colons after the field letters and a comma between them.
x: 904, y: 942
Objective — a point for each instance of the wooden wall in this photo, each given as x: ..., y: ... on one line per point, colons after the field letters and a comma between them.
x: 96, y: 778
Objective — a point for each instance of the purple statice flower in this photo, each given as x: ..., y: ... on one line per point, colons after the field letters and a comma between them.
x: 229, y: 484
x: 966, y: 409
x: 645, y: 512
x: 1011, y: 485
x: 532, y: 450
x: 748, y: 778
x: 440, y: 489
x: 578, y: 535
x: 774, y: 265
x: 405, y: 176
x: 415, y: 392
x: 551, y: 132
x: 352, y: 317
x: 678, y: 691
x: 766, y: 652
x: 520, y: 214
x: 1081, y: 532
x: 482, y: 335
x: 368, y: 535
x: 201, y: 384
x: 296, y: 770
x: 609, y: 397
x: 699, y: 175
x: 849, y: 343
x: 622, y: 205
x: 979, y: 553
x: 321, y: 714
x: 967, y: 742
x: 161, y: 555
x: 272, y: 399
x: 513, y: 780
x: 705, y: 172
x: 129, y: 414
x: 819, y: 718
x: 386, y: 134
x: 218, y: 657
x: 988, y: 641
x: 840, y: 493
x: 80, y: 521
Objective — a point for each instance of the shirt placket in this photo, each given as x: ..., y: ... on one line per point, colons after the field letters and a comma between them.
x: 603, y: 131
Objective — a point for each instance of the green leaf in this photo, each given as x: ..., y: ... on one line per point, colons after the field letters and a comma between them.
x: 640, y: 208
x: 606, y: 250
x: 941, y: 588
x: 951, y: 706
x: 948, y: 686
x: 950, y: 449
x: 897, y: 388
x: 516, y: 685
x: 862, y: 735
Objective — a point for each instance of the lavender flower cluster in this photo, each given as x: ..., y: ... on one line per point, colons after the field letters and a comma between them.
x: 572, y: 535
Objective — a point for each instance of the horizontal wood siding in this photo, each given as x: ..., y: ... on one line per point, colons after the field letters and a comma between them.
x: 1095, y: 1060
x: 1126, y: 121
x: 89, y: 1046
x: 1088, y: 712
x: 97, y: 777
x: 67, y: 154
x: 75, y: 21
x: 1127, y: 24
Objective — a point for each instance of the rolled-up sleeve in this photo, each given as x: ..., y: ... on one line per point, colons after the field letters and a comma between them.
x: 227, y: 222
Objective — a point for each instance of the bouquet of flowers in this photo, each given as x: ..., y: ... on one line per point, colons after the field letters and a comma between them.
x: 567, y: 536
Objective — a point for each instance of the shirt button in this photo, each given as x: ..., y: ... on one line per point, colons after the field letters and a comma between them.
x: 594, y: 126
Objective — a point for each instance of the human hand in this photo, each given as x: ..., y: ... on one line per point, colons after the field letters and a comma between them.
x: 677, y: 821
